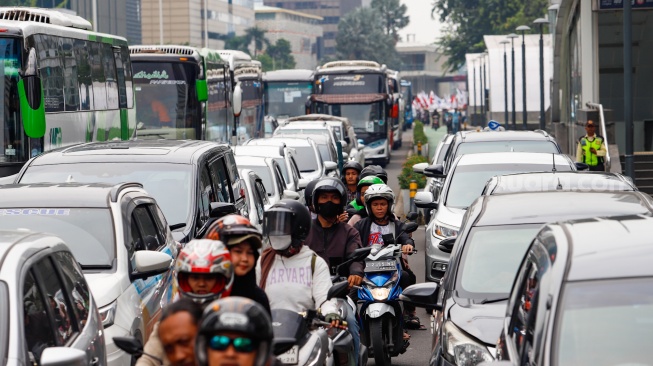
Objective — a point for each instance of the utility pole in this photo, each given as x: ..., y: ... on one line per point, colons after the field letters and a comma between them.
x: 628, y: 89
x: 512, y: 37
x: 505, y: 79
x: 523, y: 29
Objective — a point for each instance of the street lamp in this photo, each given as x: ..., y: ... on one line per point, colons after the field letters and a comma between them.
x: 474, y: 83
x: 523, y: 29
x: 541, y: 22
x: 480, y: 76
x: 505, y: 42
x: 512, y: 37
x: 485, y: 82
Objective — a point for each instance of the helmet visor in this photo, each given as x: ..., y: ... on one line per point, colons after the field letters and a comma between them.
x: 277, y: 223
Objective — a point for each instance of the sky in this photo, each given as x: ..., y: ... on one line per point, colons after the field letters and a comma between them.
x: 425, y: 29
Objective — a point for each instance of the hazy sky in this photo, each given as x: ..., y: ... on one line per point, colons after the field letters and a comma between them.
x: 425, y: 29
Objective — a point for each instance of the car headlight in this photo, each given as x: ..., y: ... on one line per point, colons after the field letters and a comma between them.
x: 444, y: 232
x: 465, y: 350
x: 108, y: 314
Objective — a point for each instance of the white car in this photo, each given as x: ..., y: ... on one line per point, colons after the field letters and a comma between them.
x: 270, y: 173
x: 257, y: 197
x: 119, y: 237
x: 308, y: 158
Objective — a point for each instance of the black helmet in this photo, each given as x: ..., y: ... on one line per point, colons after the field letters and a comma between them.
x: 239, y: 315
x: 286, y: 223
x: 329, y: 184
x: 352, y: 165
x: 376, y: 171
x: 308, y: 192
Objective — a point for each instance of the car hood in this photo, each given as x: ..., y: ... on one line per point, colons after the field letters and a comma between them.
x: 105, y: 287
x: 450, y: 216
x: 482, y: 321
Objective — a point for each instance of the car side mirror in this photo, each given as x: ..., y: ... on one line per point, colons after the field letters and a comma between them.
x: 220, y: 209
x: 419, y: 167
x: 422, y: 295
x: 344, y: 144
x: 57, y: 356
x: 302, y: 183
x: 338, y: 291
x: 148, y: 263
x: 330, y: 166
x: 412, y: 216
x: 435, y: 171
x: 581, y: 166
x: 131, y: 345
x: 446, y: 245
x: 425, y: 200
x: 237, y: 100
x: 290, y: 195
x: 345, y: 156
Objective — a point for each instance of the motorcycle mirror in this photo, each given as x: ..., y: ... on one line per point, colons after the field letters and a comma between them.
x: 131, y: 345
x: 339, y: 290
x: 281, y: 345
x: 359, y: 253
x: 411, y: 216
x: 411, y: 227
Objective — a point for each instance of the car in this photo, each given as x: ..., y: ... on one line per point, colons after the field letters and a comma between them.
x: 343, y: 130
x: 327, y: 153
x: 285, y: 156
x: 318, y: 133
x: 270, y: 174
x: 186, y: 177
x: 558, y: 181
x: 438, y: 158
x: 485, y: 256
x: 310, y: 163
x: 120, y: 238
x: 257, y: 197
x: 46, y: 308
x: 565, y: 308
x: 465, y: 182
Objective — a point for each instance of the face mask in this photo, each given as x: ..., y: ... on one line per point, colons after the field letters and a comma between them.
x: 329, y: 209
x: 280, y: 242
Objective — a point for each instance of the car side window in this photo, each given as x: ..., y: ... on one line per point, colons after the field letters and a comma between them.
x: 261, y: 190
x: 206, y: 195
x: 281, y: 184
x: 76, y: 287
x: 524, y: 311
x: 258, y: 202
x: 161, y: 223
x: 148, y: 230
x: 220, y: 179
x: 39, y: 329
x: 294, y: 167
x: 233, y: 170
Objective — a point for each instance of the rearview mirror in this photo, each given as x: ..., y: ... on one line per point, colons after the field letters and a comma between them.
x: 57, y: 356
x: 220, y: 209
x: 330, y: 166
x: 412, y: 216
x: 411, y: 227
x: 359, y: 253
x: 148, y: 263
x: 446, y: 245
x: 338, y: 291
x: 237, y: 100
x: 435, y: 171
x: 290, y: 195
x: 419, y: 167
x: 422, y: 295
x: 425, y: 200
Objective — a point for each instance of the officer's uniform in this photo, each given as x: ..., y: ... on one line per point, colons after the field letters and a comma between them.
x: 584, y: 155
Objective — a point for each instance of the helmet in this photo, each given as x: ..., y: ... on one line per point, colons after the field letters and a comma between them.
x: 234, y: 229
x: 379, y: 191
x: 376, y: 171
x: 308, y: 192
x: 239, y: 315
x: 208, y: 257
x: 286, y: 223
x: 329, y: 185
x: 368, y: 181
x: 352, y: 165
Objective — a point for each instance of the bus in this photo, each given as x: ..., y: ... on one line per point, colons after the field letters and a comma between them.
x: 60, y: 84
x: 286, y: 93
x: 396, y: 113
x: 357, y: 90
x: 182, y: 93
x: 247, y: 75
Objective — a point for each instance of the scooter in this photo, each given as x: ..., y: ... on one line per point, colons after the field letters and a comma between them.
x: 381, y: 310
x: 301, y: 338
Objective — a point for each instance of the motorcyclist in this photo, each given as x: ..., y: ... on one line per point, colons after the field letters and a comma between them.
x: 178, y: 330
x: 374, y: 170
x: 350, y: 173
x: 235, y: 331
x: 356, y: 208
x: 288, y: 263
x: 203, y: 272
x: 243, y: 240
x: 308, y: 197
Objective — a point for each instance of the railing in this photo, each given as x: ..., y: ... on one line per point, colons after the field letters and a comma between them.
x: 599, y: 107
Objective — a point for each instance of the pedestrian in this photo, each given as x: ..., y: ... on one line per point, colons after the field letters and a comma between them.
x: 455, y: 121
x: 591, y: 148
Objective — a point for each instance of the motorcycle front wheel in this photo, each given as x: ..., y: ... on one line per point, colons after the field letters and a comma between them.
x: 379, y: 337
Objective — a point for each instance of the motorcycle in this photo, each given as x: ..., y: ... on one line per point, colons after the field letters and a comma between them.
x: 381, y: 310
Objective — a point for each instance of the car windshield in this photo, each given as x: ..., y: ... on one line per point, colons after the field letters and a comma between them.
x: 264, y: 173
x: 305, y: 158
x: 541, y: 146
x: 468, y: 181
x: 170, y: 184
x: 88, y: 232
x: 605, y: 323
x: 490, y: 260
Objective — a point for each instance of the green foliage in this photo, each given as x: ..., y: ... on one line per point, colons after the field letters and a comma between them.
x: 418, y: 133
x: 407, y: 173
x: 236, y: 43
x: 281, y: 54
x: 393, y: 15
x: 362, y: 37
x: 256, y: 35
x: 467, y: 21
x: 266, y: 62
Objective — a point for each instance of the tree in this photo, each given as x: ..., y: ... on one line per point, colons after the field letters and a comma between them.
x: 467, y: 21
x: 236, y: 43
x: 281, y: 54
x: 256, y: 35
x: 393, y: 15
x: 266, y: 62
x: 361, y: 37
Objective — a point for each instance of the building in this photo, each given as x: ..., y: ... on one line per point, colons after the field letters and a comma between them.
x: 191, y: 22
x: 302, y: 30
x: 330, y: 10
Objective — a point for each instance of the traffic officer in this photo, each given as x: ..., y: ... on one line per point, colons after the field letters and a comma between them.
x: 591, y: 149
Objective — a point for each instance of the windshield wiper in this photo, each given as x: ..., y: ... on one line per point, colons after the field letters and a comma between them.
x: 491, y: 301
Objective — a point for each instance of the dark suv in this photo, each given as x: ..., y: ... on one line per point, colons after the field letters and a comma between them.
x: 187, y: 178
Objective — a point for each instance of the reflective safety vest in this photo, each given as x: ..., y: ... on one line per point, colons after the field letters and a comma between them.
x: 355, y: 205
x: 586, y: 144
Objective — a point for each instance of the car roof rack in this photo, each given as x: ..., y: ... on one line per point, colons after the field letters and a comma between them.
x: 115, y: 191
x: 544, y: 133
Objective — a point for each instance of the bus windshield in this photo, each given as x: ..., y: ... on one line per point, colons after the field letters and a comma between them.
x: 285, y: 99
x: 368, y: 120
x: 14, y: 145
x: 167, y: 102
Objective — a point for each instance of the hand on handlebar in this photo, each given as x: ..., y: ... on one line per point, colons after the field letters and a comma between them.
x: 407, y: 249
x: 354, y: 280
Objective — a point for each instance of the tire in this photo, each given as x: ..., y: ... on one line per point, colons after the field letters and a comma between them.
x: 379, y: 340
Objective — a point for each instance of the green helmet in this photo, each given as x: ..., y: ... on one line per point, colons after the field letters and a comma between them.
x: 368, y: 181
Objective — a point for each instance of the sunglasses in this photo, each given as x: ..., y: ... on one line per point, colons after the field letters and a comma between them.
x: 221, y: 343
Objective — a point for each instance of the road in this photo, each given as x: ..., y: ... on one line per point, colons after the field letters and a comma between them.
x: 420, y: 342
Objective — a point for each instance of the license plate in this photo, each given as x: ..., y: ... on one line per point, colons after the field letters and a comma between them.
x: 290, y: 357
x: 380, y: 266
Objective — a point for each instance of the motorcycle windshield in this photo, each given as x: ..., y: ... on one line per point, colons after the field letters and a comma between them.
x: 288, y: 324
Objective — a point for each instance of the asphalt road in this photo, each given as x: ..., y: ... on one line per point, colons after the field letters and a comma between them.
x: 419, y: 351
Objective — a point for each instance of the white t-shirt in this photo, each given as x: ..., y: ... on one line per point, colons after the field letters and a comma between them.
x: 377, y: 232
x: 292, y: 285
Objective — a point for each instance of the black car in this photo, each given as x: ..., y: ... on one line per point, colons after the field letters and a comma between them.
x: 187, y: 178
x: 583, y: 295
x: 493, y: 240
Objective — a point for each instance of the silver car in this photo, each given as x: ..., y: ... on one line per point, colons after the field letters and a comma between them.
x: 47, y: 312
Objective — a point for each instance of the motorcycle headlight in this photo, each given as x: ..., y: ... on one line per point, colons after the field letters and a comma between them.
x: 108, y: 314
x: 441, y: 231
x: 465, y: 350
x: 380, y: 293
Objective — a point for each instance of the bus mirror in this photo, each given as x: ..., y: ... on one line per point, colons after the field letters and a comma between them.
x: 32, y: 108
x: 237, y: 100
x: 394, y: 112
x: 202, y: 90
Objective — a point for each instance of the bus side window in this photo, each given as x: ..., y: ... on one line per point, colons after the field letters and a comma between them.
x: 98, y: 77
x: 71, y: 91
x: 127, y: 69
x: 51, y: 71
x: 110, y: 76
x: 84, y: 81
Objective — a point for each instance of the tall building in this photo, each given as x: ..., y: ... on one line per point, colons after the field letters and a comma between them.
x: 330, y: 10
x: 190, y: 22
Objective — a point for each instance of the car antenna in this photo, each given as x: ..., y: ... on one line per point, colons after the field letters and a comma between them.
x: 554, y: 163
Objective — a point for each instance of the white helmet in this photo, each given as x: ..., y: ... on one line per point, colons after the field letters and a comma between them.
x: 379, y: 191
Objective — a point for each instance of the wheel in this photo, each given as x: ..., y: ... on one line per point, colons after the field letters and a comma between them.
x: 379, y: 338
